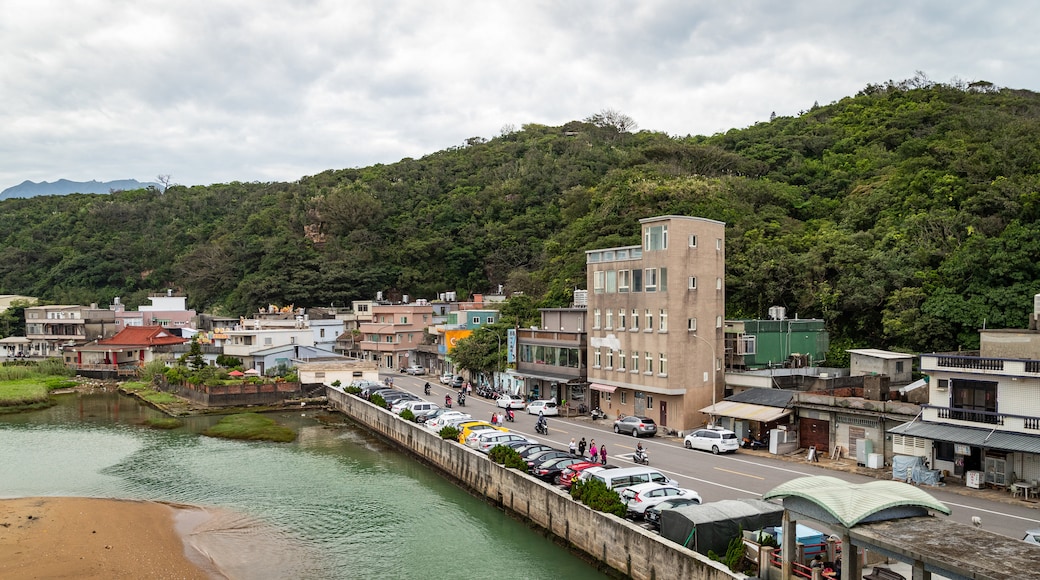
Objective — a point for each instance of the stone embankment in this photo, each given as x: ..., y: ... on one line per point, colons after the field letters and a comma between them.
x: 614, y: 542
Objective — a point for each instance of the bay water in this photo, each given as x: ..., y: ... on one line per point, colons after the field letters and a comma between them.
x: 336, y: 503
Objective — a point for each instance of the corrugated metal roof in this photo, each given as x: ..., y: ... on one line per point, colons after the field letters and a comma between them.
x: 761, y: 396
x: 850, y: 503
x: 988, y: 438
x: 745, y: 411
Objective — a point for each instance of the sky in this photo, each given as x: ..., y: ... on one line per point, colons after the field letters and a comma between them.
x: 215, y: 91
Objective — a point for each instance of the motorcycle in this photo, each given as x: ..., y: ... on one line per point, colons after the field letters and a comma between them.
x: 462, y: 400
x: 641, y: 457
x: 749, y: 443
x: 541, y: 428
x: 509, y: 416
x: 597, y: 413
x: 426, y: 389
x: 447, y: 401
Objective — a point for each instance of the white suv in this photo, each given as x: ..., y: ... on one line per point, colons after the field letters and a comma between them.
x: 415, y: 370
x: 714, y: 440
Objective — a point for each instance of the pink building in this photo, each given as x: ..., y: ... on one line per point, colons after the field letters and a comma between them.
x: 393, y: 336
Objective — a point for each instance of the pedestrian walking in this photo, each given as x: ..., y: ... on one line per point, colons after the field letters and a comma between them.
x: 573, y: 447
x: 581, y: 448
x: 593, y: 450
x: 603, y: 455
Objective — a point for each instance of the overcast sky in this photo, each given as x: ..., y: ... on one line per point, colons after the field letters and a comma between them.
x: 212, y: 91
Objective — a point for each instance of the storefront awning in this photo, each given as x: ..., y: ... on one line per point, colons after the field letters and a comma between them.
x: 746, y: 411
x: 988, y: 438
x: 544, y: 376
x: 602, y: 387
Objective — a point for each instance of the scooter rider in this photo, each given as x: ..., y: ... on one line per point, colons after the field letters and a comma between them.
x: 447, y: 401
x: 509, y: 415
x: 541, y: 425
x: 640, y: 454
x: 426, y: 389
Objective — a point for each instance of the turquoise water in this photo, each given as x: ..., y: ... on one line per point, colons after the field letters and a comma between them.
x: 336, y: 503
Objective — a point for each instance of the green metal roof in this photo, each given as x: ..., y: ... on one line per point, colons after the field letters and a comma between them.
x: 852, y: 503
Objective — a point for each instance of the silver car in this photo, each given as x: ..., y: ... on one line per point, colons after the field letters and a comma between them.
x: 636, y: 426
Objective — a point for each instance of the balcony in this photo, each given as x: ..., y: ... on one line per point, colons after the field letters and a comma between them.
x: 980, y: 365
x: 982, y: 419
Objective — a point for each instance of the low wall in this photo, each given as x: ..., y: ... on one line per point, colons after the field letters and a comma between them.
x: 614, y: 541
x: 238, y: 395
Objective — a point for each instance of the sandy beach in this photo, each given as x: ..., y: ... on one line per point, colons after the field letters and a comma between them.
x: 86, y: 538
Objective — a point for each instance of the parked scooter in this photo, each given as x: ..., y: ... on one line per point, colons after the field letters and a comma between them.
x: 597, y: 413
x: 749, y: 443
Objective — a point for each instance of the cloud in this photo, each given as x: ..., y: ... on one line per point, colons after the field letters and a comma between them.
x: 212, y: 91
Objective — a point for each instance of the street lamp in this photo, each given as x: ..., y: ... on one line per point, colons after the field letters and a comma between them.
x: 714, y: 373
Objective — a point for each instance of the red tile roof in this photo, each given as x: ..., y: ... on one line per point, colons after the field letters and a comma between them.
x: 143, y: 336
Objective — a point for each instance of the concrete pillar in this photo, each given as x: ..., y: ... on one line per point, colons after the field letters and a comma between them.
x: 817, y: 574
x: 765, y: 559
x: 799, y: 552
x: 919, y: 573
x: 832, y: 548
x: 787, y: 548
x: 850, y: 561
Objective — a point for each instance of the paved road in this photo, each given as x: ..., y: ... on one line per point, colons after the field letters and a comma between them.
x: 744, y: 474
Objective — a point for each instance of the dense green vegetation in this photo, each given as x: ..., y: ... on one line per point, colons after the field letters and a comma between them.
x: 907, y: 217
x: 27, y: 385
x: 250, y: 426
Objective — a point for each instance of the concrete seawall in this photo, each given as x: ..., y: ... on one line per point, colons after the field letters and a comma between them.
x: 613, y: 541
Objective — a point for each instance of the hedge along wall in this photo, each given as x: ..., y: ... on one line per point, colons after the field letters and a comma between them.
x: 614, y: 541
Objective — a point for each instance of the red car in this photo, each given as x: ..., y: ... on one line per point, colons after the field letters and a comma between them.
x: 572, y: 471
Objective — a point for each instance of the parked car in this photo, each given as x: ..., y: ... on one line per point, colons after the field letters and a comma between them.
x: 486, y: 440
x: 446, y: 378
x: 528, y: 450
x: 1032, y: 536
x: 546, y: 408
x: 714, y: 440
x: 510, y: 402
x: 573, y: 471
x: 636, y: 426
x: 450, y: 417
x: 416, y: 407
x: 629, y: 476
x: 396, y: 396
x: 652, y: 514
x: 541, y: 456
x: 457, y: 382
x: 415, y: 370
x: 639, y: 497
x: 549, y: 470
x: 471, y: 428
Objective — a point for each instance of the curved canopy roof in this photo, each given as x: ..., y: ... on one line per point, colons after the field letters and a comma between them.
x: 853, y: 503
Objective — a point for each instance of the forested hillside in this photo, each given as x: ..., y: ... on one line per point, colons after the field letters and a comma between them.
x: 907, y: 217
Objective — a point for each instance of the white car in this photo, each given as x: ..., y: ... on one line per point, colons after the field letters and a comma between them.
x: 415, y: 370
x: 510, y: 402
x: 486, y: 440
x: 1032, y: 536
x: 444, y: 419
x: 546, y: 408
x: 446, y: 378
x: 714, y: 440
x: 639, y: 497
x: 414, y: 406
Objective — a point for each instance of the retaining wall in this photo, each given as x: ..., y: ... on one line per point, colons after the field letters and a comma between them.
x: 614, y: 541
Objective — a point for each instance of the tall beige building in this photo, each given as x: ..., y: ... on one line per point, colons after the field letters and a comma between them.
x: 655, y: 326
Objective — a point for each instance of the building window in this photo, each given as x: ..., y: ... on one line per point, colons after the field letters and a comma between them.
x: 662, y: 321
x: 623, y: 280
x: 610, y: 319
x: 718, y: 322
x: 692, y: 284
x: 410, y: 336
x: 662, y: 364
x: 691, y: 324
x: 718, y: 283
x: 404, y: 320
x: 649, y: 403
x: 389, y: 338
x: 319, y: 374
x: 623, y: 398
x: 610, y: 359
x: 650, y: 279
x: 649, y: 321
x: 597, y: 358
x: 598, y: 281
x: 621, y: 318
x: 267, y: 341
x: 611, y: 281
x: 747, y: 344
x: 596, y: 316
x: 693, y: 240
x: 635, y: 319
x: 621, y: 361
x: 635, y: 361
x: 491, y: 320
x: 656, y: 238
x: 662, y: 285
x: 974, y: 401
x: 322, y: 333
x: 899, y: 366
x: 649, y: 363
x: 637, y: 280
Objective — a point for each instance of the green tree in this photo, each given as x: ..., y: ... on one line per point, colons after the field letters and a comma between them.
x: 195, y: 360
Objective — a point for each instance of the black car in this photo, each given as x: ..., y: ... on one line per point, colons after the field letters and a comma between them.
x: 549, y: 470
x: 530, y: 449
x: 652, y: 515
x: 396, y: 396
x: 542, y: 456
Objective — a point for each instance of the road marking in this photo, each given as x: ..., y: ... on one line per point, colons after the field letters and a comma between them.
x: 738, y: 473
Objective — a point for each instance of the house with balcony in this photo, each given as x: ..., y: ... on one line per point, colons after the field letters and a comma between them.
x: 656, y: 322
x: 166, y: 310
x: 52, y: 329
x: 124, y: 353
x: 982, y: 419
x: 550, y: 360
x: 393, y: 337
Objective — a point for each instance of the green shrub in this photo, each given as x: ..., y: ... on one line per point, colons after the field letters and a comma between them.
x: 449, y: 432
x: 595, y: 494
x: 378, y: 401
x: 352, y: 390
x: 408, y: 415
x: 54, y: 383
x: 734, y: 557
x: 507, y: 456
x: 336, y: 383
x: 250, y: 426
x: 153, y: 370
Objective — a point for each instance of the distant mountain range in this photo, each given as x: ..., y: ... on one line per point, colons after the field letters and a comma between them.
x: 64, y: 186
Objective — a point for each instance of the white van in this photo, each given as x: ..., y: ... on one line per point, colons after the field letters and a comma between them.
x: 629, y: 476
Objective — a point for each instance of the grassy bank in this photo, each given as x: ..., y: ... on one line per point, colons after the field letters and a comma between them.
x: 250, y: 426
x: 27, y: 386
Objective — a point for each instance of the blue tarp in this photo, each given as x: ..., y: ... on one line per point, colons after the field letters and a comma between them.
x: 913, y: 469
